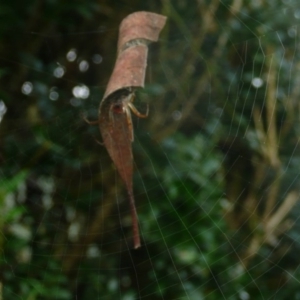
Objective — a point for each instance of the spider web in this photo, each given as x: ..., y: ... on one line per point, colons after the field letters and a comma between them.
x: 216, y: 162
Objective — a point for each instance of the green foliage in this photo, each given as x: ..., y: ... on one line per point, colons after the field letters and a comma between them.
x: 214, y: 162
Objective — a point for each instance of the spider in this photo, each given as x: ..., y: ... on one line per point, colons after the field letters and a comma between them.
x: 123, y: 105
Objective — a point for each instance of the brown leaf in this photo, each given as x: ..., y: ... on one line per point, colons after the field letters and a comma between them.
x: 136, y: 32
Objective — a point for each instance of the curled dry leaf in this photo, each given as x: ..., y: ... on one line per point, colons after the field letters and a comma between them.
x: 136, y: 32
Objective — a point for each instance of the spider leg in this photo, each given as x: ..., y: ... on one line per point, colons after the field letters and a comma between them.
x: 136, y: 112
x: 90, y: 122
x: 111, y: 118
x: 129, y: 123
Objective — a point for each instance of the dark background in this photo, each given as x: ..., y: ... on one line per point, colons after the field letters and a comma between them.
x: 216, y: 162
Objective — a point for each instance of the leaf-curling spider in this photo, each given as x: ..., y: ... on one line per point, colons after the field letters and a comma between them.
x: 123, y: 105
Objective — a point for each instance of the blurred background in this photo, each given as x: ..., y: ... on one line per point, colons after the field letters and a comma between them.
x: 216, y: 179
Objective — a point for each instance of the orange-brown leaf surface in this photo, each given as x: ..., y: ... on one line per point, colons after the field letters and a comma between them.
x: 136, y: 32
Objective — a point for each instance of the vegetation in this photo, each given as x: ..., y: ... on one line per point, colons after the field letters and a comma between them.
x: 216, y: 162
